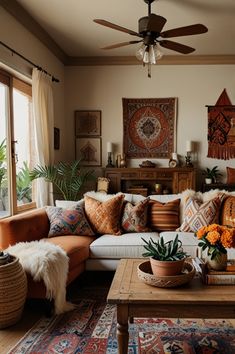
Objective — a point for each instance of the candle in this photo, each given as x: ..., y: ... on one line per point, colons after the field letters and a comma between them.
x: 109, y: 147
x: 189, y: 145
x: 174, y: 156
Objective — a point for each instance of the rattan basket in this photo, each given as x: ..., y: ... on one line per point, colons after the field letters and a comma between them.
x: 13, y: 290
x: 145, y: 274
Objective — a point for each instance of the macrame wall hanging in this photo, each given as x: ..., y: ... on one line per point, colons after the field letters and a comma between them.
x: 221, y: 129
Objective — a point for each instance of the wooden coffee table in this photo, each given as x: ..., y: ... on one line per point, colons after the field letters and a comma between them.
x: 137, y: 299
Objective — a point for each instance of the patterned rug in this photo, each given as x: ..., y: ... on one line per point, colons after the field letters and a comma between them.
x: 91, y: 328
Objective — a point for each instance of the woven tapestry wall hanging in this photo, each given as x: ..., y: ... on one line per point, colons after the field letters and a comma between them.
x: 221, y: 129
x: 149, y: 127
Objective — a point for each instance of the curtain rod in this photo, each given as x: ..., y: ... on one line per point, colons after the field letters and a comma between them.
x: 29, y: 61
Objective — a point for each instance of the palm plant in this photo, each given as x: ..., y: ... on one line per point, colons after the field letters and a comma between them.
x: 68, y: 178
x: 3, y: 169
x: 24, y: 183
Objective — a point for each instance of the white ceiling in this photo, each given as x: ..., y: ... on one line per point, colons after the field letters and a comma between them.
x: 70, y: 24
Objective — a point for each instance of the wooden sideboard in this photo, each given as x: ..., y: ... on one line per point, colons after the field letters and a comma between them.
x: 172, y: 180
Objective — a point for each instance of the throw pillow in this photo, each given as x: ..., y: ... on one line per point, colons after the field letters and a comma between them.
x: 104, y: 217
x: 135, y: 217
x: 230, y: 175
x: 228, y: 212
x: 68, y: 222
x: 164, y: 216
x: 198, y: 214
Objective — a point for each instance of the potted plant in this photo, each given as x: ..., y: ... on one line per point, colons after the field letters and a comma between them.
x: 68, y: 178
x: 166, y: 258
x: 216, y: 239
x: 211, y: 175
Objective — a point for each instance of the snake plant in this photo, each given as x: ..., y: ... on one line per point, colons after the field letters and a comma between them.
x: 164, y: 251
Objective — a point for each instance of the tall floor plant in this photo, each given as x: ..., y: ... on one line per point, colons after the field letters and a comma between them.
x: 68, y: 178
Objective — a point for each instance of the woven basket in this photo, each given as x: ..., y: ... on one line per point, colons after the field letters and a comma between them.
x: 145, y: 274
x: 13, y: 290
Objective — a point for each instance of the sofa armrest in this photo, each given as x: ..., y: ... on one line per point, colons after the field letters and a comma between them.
x: 25, y: 227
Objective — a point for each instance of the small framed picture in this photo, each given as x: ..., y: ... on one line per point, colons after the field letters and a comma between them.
x: 87, y: 123
x: 89, y: 151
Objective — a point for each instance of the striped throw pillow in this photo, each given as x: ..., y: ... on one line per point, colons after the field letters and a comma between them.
x: 164, y: 216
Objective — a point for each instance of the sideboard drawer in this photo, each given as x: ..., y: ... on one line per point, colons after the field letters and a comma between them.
x: 151, y: 175
x: 164, y: 175
x: 126, y: 175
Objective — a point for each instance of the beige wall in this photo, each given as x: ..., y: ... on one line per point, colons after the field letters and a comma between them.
x: 17, y: 37
x: 195, y: 86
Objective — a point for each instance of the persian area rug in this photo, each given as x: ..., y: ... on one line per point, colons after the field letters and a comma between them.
x: 91, y: 328
x: 149, y: 127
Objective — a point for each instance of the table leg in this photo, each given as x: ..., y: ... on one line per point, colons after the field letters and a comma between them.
x: 122, y: 328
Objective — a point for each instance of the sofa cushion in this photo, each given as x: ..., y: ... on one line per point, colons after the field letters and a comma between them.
x: 68, y: 222
x: 104, y: 217
x: 68, y: 204
x: 228, y: 212
x: 77, y: 248
x: 198, y: 214
x: 164, y: 216
x: 135, y: 217
x: 129, y: 245
x: 188, y: 239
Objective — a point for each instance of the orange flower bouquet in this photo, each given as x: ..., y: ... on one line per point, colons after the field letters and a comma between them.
x: 216, y: 238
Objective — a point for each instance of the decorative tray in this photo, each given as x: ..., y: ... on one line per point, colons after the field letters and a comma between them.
x: 145, y: 274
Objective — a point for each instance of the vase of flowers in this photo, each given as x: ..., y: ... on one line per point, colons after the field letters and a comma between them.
x: 216, y: 239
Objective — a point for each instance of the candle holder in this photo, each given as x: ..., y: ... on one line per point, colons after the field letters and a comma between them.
x: 110, y: 162
x: 188, y: 161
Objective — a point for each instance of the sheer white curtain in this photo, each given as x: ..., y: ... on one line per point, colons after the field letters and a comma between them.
x: 43, y: 131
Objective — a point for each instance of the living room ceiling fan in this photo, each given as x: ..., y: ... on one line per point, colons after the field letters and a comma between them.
x: 150, y: 28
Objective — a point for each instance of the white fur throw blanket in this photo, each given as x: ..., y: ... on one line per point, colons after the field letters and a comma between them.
x: 47, y: 262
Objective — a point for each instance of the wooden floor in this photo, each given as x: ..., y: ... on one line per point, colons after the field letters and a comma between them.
x: 34, y: 310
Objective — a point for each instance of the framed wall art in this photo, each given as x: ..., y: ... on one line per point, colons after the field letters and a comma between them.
x: 149, y: 127
x: 87, y: 123
x: 88, y: 149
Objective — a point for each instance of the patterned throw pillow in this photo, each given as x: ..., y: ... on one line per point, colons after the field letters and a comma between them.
x: 68, y: 222
x: 104, y: 217
x: 164, y: 216
x: 198, y: 214
x: 134, y: 218
x: 228, y: 212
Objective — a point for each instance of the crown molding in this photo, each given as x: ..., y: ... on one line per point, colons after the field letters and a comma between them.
x: 22, y: 16
x: 165, y: 60
x: 17, y: 11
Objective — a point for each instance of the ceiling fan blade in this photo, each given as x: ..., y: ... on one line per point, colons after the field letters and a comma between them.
x: 155, y: 23
x: 116, y: 27
x: 185, y: 31
x: 178, y: 47
x: 118, y: 45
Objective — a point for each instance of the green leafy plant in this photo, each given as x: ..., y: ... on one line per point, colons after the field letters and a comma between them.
x: 68, y: 178
x: 3, y: 157
x: 164, y: 251
x: 24, y: 183
x: 212, y: 173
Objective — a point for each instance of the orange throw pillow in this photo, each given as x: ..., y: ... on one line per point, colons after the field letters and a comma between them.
x: 230, y: 175
x: 228, y: 212
x: 104, y: 217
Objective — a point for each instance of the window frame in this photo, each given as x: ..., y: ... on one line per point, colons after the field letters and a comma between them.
x: 14, y: 82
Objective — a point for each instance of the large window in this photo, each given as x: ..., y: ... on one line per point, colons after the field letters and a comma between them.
x: 15, y: 145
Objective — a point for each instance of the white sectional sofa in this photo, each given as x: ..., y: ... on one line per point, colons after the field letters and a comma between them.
x: 106, y: 250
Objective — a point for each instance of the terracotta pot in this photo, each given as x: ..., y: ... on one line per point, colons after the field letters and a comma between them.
x: 166, y: 268
x: 219, y: 262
